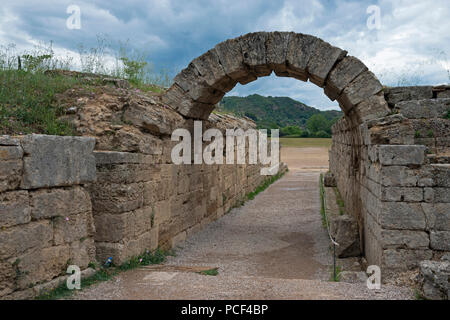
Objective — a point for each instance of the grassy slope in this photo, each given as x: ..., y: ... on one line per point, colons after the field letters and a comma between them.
x: 28, y: 101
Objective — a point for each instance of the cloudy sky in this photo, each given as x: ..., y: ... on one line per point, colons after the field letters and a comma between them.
x: 410, y: 46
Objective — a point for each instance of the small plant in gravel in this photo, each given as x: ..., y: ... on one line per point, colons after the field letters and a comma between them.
x: 336, y: 278
x: 210, y: 272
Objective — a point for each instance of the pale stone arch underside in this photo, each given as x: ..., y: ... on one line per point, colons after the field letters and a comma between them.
x: 344, y: 78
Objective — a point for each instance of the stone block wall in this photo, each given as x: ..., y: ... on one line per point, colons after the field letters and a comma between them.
x: 141, y: 202
x: 403, y: 178
x: 62, y: 203
x: 46, y: 219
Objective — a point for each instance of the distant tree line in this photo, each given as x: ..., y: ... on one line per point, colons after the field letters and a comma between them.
x: 316, y: 127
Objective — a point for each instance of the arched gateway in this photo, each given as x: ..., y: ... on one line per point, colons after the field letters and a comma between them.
x: 395, y: 182
x: 344, y: 78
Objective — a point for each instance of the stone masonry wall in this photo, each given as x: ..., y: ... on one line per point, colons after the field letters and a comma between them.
x: 76, y: 200
x: 403, y: 177
x: 45, y: 211
x: 142, y: 201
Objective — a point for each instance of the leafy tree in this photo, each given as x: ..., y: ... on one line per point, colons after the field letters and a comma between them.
x: 322, y: 134
x: 318, y: 123
x: 290, y: 131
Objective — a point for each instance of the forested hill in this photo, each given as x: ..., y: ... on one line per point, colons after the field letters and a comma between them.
x: 274, y: 112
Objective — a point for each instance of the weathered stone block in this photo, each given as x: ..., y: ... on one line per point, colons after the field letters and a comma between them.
x: 118, y: 227
x: 196, y: 87
x: 435, y: 275
x: 437, y: 194
x: 10, y: 153
x: 253, y: 46
x: 104, y: 250
x: 398, y: 94
x: 71, y: 228
x: 361, y: 88
x: 322, y: 61
x: 276, y: 50
x: 17, y: 240
x: 82, y: 252
x: 372, y: 108
x: 179, y: 100
x: 344, y: 229
x: 117, y: 198
x: 402, y: 194
x: 14, y: 208
x: 178, y: 239
x: 402, y: 215
x: 440, y: 240
x: 437, y: 216
x: 209, y: 67
x: 42, y: 265
x: 398, y: 176
x: 392, y: 155
x: 10, y: 174
x: 341, y: 75
x: 52, y: 161
x: 121, y: 252
x: 301, y: 48
x: 152, y: 118
x: 424, y: 109
x: 48, y: 203
x: 231, y: 59
x: 404, y: 259
x: 7, y: 276
x: 404, y: 239
x: 6, y: 140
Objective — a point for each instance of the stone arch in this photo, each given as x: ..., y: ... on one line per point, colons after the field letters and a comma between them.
x: 197, y: 88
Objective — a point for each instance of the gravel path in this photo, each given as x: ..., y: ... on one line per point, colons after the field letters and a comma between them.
x: 274, y: 247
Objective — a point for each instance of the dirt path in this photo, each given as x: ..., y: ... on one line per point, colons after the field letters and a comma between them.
x: 274, y: 247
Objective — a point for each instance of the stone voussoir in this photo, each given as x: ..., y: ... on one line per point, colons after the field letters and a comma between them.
x: 362, y: 87
x: 342, y: 74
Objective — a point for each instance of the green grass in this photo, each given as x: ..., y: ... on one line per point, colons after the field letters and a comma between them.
x: 338, y: 274
x: 264, y: 185
x: 210, y: 272
x: 107, y: 273
x: 27, y: 103
x: 305, y: 142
